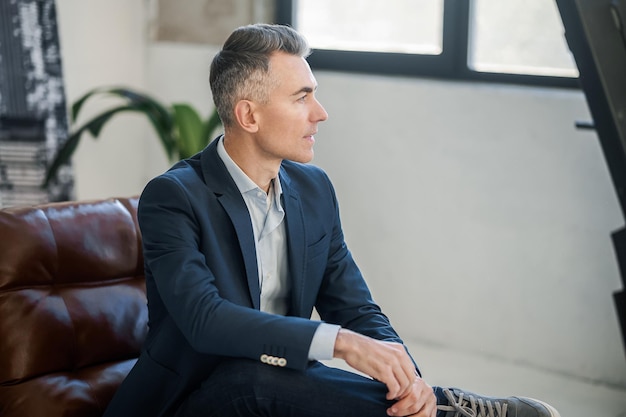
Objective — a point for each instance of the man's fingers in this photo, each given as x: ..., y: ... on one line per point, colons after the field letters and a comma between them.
x: 396, y: 371
x: 387, y: 362
x: 420, y: 402
x: 395, y: 381
x: 401, y: 381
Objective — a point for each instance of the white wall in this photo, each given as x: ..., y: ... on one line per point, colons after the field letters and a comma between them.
x: 103, y: 43
x: 479, y: 215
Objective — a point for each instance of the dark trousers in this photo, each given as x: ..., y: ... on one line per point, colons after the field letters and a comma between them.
x: 246, y: 388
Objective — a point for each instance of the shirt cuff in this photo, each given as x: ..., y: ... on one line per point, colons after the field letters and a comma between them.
x: 323, y: 343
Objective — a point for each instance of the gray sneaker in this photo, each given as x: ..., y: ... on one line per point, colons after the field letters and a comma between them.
x: 467, y: 404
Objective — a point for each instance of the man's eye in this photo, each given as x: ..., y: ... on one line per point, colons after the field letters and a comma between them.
x: 302, y: 98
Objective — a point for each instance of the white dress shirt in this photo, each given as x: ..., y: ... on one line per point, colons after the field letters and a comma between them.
x: 267, y: 215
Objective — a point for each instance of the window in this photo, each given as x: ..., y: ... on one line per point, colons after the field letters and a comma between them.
x: 403, y: 26
x: 512, y: 41
x: 519, y: 37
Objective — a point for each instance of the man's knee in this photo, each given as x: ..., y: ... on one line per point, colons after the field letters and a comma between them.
x: 229, y: 391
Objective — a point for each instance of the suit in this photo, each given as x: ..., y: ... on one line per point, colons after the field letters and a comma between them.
x: 203, y: 287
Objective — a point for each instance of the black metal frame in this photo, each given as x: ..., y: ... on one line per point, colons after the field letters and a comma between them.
x: 601, y: 67
x: 450, y: 64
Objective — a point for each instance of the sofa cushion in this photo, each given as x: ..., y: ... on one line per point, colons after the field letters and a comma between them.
x: 81, y: 393
x: 73, y: 311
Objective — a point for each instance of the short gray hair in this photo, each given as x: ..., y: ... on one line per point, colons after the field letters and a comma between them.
x: 240, y: 70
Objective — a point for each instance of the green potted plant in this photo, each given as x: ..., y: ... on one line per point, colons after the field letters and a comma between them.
x: 179, y: 127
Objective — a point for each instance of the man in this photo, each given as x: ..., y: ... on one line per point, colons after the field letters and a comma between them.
x: 241, y: 242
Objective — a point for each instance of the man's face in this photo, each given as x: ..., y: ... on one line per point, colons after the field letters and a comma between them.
x: 288, y: 121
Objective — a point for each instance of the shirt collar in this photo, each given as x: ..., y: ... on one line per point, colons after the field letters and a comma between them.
x: 243, y: 182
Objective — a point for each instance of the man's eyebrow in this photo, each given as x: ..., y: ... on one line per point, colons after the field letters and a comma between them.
x: 306, y: 89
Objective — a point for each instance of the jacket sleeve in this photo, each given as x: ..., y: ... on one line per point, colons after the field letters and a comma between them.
x: 175, y: 244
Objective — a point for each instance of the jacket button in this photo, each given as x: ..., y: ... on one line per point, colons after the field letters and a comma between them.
x: 282, y: 362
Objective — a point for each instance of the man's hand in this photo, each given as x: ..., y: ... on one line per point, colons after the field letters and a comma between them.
x: 419, y: 402
x: 390, y: 364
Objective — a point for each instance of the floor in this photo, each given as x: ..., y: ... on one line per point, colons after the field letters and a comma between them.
x: 571, y: 397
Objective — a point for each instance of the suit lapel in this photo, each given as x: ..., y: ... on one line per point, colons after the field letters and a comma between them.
x: 296, y: 242
x: 238, y: 213
x: 220, y: 182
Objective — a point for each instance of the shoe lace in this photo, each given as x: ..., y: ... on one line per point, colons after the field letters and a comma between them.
x: 468, y: 405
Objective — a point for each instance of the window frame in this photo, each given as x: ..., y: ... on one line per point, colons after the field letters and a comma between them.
x: 451, y: 64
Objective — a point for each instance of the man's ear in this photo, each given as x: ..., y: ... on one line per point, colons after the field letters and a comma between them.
x: 245, y: 115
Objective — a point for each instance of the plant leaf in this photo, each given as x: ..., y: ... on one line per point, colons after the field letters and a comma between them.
x: 160, y: 112
x: 190, y: 128
x: 210, y: 126
x: 63, y: 156
x: 78, y: 104
x: 180, y: 129
x: 166, y: 135
x: 94, y: 127
x: 157, y: 113
x: 160, y: 117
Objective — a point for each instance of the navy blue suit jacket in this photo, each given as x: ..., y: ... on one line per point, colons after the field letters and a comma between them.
x: 203, y: 286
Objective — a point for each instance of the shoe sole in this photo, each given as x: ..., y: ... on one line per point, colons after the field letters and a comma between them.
x: 552, y: 410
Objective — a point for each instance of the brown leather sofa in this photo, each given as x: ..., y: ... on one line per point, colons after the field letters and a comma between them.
x: 73, y: 308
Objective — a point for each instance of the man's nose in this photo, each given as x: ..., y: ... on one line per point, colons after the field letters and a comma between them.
x: 320, y: 112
